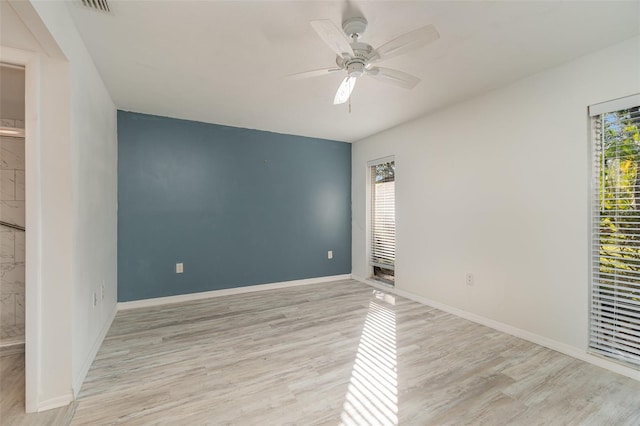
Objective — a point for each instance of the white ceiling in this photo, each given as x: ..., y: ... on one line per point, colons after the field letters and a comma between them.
x: 13, y: 32
x: 224, y: 62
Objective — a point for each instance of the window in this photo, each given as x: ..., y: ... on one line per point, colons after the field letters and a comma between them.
x: 615, y: 240
x: 383, y: 220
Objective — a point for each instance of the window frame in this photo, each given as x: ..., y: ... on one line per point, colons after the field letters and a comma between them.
x: 595, y: 111
x: 369, y: 216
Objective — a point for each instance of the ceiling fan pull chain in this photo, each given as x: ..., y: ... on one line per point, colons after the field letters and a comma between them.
x: 349, y: 104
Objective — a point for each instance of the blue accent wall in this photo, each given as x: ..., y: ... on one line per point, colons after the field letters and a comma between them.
x: 238, y: 207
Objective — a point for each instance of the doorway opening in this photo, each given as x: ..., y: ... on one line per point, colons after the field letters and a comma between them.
x: 12, y: 209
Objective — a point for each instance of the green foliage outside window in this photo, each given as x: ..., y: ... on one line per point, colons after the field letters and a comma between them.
x: 385, y: 172
x: 618, y: 155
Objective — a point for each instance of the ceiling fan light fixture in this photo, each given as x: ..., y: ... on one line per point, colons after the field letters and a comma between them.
x: 344, y: 90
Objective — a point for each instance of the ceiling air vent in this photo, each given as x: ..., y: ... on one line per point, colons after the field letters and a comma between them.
x: 99, y: 5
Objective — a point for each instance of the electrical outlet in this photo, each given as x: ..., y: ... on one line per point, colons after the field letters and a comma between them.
x: 330, y: 254
x: 469, y: 278
x: 179, y: 268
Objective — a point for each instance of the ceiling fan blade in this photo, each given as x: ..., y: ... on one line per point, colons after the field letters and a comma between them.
x: 334, y: 37
x: 395, y: 77
x: 344, y: 91
x: 405, y: 43
x: 313, y: 73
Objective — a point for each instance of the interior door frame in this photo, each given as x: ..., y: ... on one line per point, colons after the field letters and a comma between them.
x: 33, y: 284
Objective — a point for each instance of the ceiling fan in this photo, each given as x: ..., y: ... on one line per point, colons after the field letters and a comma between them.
x: 358, y: 58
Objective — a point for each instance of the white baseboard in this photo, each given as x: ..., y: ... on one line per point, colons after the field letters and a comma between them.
x: 144, y: 303
x: 377, y: 284
x: 57, y: 402
x: 79, y: 379
x: 572, y: 351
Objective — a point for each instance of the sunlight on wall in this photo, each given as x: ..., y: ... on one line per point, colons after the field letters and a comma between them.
x: 372, y: 396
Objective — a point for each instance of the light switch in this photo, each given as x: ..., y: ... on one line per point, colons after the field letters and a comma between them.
x: 179, y: 268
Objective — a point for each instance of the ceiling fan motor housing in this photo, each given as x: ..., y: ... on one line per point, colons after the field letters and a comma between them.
x: 355, y: 64
x: 355, y: 69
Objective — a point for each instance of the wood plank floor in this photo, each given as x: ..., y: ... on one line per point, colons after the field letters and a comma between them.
x: 336, y: 353
x: 12, y: 397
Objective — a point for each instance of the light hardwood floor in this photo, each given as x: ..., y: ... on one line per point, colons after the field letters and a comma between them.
x: 12, y: 397
x: 336, y: 353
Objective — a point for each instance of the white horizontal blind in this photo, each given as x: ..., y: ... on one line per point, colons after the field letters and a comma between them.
x: 383, y: 215
x: 615, y: 249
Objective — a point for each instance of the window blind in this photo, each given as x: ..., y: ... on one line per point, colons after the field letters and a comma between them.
x: 383, y: 215
x: 615, y: 244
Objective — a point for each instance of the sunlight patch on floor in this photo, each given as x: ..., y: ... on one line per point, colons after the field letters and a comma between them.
x: 372, y: 396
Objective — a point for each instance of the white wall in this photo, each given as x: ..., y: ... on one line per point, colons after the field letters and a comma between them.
x: 499, y: 186
x: 93, y: 165
x: 56, y: 238
x: 71, y: 199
